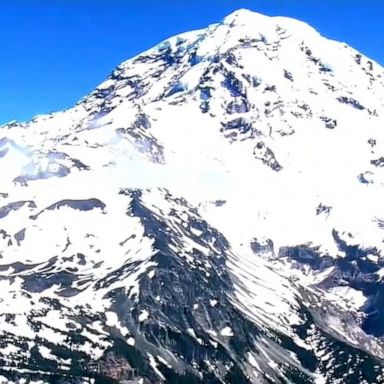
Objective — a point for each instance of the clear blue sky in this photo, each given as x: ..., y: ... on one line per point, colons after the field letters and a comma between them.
x: 53, y: 52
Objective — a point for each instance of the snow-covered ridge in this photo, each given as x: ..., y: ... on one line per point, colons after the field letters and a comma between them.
x: 212, y: 211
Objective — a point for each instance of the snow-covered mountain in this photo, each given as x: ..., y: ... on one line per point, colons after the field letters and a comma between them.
x: 212, y: 213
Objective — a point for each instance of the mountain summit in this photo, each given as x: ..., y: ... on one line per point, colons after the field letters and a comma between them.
x: 210, y: 213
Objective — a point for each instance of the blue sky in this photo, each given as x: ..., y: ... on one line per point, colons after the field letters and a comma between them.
x: 52, y: 52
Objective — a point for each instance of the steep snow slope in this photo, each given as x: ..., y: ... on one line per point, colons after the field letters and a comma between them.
x: 211, y: 213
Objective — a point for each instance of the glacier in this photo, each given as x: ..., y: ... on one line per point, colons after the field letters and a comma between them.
x: 211, y: 213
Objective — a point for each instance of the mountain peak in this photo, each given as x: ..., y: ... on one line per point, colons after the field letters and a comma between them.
x: 259, y: 21
x: 244, y: 16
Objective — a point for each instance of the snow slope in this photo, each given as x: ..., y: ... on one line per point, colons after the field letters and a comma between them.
x: 212, y: 212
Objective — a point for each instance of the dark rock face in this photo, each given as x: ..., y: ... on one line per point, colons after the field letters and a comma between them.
x: 143, y: 140
x: 354, y: 270
x: 6, y: 209
x: 350, y: 101
x: 187, y: 306
x: 329, y: 123
x: 81, y: 205
x: 234, y: 85
x: 266, y: 155
x: 237, y: 124
x: 238, y: 106
x: 378, y: 162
